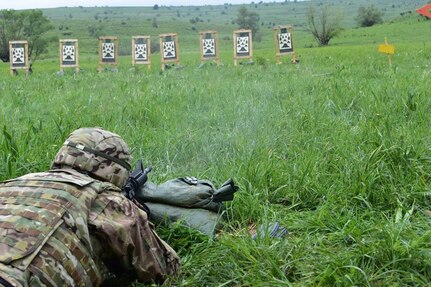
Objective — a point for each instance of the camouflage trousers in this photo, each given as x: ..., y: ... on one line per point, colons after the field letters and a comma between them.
x: 4, y: 283
x: 11, y: 276
x: 17, y: 278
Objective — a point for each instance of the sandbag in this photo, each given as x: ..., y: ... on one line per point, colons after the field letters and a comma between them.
x: 186, y: 192
x: 194, y: 202
x: 200, y: 219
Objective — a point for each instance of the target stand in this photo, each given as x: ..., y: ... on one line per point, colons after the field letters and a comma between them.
x: 283, y: 40
x: 169, y: 49
x: 18, y: 57
x: 69, y: 54
x: 141, y: 51
x: 242, y: 44
x: 108, y: 52
x: 209, y: 46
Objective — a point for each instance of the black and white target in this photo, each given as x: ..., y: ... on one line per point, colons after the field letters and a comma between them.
x: 209, y: 47
x: 242, y: 45
x: 169, y: 50
x: 18, y: 56
x: 141, y: 52
x: 108, y: 51
x: 69, y: 53
x: 285, y: 42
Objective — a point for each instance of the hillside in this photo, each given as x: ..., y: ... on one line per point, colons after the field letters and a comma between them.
x: 188, y: 21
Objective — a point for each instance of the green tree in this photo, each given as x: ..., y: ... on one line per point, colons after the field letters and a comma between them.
x: 95, y: 30
x: 369, y: 16
x: 154, y: 24
x: 324, y: 24
x: 247, y: 20
x: 30, y: 25
x: 36, y: 25
x: 10, y: 28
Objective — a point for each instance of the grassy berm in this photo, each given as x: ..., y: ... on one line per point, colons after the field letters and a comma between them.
x: 336, y: 148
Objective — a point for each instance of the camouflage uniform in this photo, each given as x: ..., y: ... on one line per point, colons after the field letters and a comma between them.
x: 67, y: 228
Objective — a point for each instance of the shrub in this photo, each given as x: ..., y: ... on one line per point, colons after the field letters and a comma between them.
x: 369, y: 16
x: 323, y: 24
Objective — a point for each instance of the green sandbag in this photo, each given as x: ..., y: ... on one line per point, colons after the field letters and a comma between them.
x: 186, y: 192
x: 200, y: 219
x: 193, y: 202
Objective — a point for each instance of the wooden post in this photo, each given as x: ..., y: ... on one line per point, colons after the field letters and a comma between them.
x: 201, y: 48
x: 162, y: 63
x: 133, y: 51
x: 60, y: 53
x: 387, y: 49
x: 217, y: 51
x: 277, y: 46
x: 100, y: 69
x: 77, y: 57
x: 389, y: 55
x: 235, y: 61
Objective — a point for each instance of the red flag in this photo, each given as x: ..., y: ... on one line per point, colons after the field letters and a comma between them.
x: 425, y: 11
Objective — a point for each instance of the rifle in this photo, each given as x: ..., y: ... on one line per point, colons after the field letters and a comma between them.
x: 136, y: 180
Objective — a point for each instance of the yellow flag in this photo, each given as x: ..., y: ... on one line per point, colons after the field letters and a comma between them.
x: 387, y: 49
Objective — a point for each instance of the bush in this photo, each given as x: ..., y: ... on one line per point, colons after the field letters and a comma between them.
x: 369, y: 16
x: 324, y: 24
x: 95, y: 31
x: 247, y: 20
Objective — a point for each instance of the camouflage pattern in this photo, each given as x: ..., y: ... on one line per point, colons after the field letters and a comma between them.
x: 100, y: 140
x: 64, y: 228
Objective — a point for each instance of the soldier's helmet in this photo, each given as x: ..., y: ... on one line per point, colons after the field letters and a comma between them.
x: 102, y: 154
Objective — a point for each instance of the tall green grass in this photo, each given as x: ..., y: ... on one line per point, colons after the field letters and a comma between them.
x: 335, y: 148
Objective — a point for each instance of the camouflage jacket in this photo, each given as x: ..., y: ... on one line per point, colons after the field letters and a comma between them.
x: 63, y: 228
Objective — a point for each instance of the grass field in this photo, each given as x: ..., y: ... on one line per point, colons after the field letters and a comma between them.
x: 336, y: 148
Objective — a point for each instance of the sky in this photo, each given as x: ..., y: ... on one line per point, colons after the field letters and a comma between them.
x: 31, y: 4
